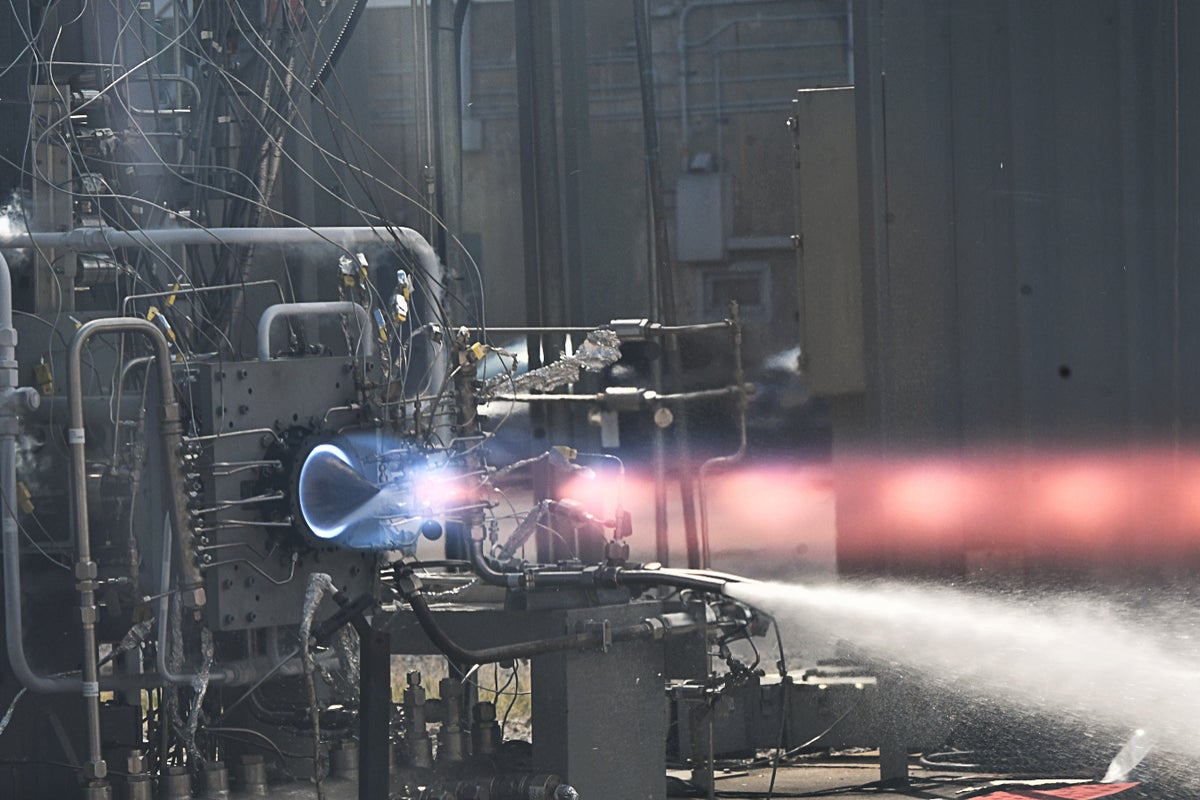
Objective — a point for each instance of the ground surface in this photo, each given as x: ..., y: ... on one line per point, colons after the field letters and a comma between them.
x: 856, y: 777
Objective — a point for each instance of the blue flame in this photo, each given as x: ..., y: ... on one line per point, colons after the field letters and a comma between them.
x: 320, y: 531
x: 380, y: 501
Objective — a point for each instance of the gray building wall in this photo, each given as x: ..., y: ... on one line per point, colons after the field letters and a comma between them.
x: 744, y: 62
x: 1029, y: 220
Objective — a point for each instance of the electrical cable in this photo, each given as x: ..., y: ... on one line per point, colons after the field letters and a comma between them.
x: 11, y: 708
x: 512, y: 701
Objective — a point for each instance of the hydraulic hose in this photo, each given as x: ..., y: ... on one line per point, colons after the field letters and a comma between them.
x: 647, y: 629
x: 596, y: 576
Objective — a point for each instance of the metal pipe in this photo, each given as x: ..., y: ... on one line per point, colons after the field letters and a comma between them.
x: 318, y: 309
x: 682, y: 45
x: 85, y: 567
x: 595, y: 576
x: 102, y: 237
x: 234, y: 673
x: 647, y: 396
x: 13, y: 596
x: 650, y: 628
x: 130, y: 366
x: 264, y: 432
x: 172, y: 440
x: 649, y: 329
x: 11, y: 397
x: 737, y: 455
x: 197, y: 290
x: 164, y: 600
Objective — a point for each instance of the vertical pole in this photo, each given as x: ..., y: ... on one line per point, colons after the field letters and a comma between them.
x: 541, y: 195
x: 374, y: 713
x: 446, y: 83
x: 666, y: 294
x: 576, y: 142
x: 541, y: 199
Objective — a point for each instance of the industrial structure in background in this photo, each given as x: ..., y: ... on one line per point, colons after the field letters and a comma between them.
x: 250, y: 367
x: 279, y: 281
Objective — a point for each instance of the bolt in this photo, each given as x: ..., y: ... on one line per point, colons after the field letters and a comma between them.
x: 227, y: 583
x: 242, y: 373
x: 243, y: 409
x: 251, y: 616
x: 227, y: 619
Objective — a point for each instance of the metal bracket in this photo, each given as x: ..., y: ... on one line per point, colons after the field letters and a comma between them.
x: 605, y: 629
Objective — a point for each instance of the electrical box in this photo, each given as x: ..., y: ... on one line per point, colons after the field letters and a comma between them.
x: 703, y: 215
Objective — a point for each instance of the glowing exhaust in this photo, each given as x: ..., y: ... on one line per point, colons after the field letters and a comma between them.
x: 331, y: 492
x: 367, y: 498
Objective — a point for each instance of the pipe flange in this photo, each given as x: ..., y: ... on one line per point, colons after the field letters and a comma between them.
x: 16, y: 401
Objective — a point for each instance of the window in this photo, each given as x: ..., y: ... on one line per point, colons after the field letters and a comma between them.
x: 748, y: 283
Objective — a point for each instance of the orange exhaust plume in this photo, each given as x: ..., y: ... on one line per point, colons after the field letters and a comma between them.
x: 1045, y: 507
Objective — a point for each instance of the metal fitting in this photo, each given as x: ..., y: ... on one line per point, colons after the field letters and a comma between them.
x: 101, y: 791
x: 484, y: 711
x: 626, y: 398
x: 408, y: 584
x: 216, y: 781
x: 254, y: 775
x: 15, y: 400
x: 136, y: 762
x: 193, y: 597
x: 175, y: 784
x: 95, y: 770
x: 627, y: 329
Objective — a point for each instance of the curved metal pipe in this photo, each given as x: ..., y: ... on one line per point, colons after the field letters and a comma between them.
x: 85, y: 568
x: 13, y: 623
x: 318, y: 309
x: 164, y: 612
x: 172, y: 440
x: 682, y: 44
x: 11, y: 398
x: 736, y: 456
x: 105, y: 238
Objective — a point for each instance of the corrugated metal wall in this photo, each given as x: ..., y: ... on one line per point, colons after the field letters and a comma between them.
x: 1030, y: 220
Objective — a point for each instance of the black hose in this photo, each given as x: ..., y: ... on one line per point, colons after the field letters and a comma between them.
x: 646, y: 629
x: 595, y: 576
